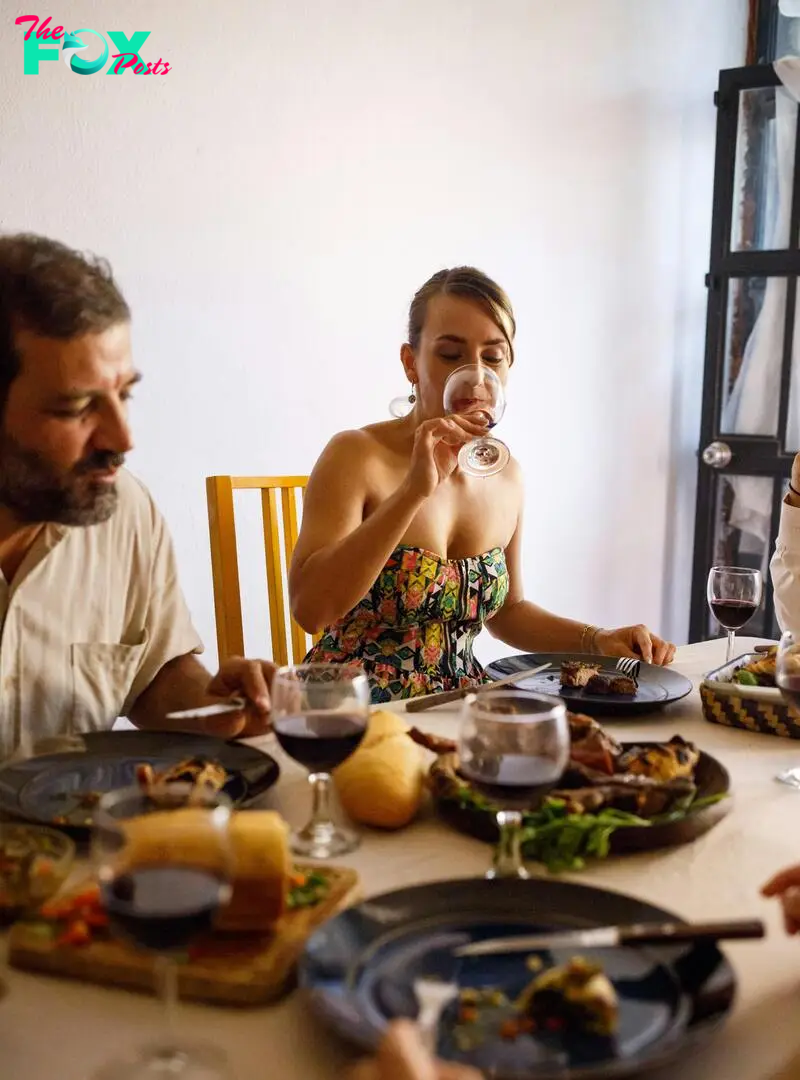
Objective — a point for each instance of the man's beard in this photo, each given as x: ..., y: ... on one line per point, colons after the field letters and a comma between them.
x: 36, y: 492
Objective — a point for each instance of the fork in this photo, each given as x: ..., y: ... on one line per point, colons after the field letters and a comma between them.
x: 433, y: 995
x: 629, y: 666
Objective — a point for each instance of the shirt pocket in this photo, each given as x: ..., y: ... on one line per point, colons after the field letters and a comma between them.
x: 102, y: 675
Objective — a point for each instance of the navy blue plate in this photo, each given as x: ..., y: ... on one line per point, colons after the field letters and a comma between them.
x: 658, y: 686
x: 41, y: 789
x: 359, y: 970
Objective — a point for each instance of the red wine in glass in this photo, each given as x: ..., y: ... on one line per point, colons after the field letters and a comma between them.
x: 733, y: 614
x: 514, y: 745
x: 163, y: 907
x: 734, y: 593
x: 320, y: 740
x: 164, y: 864
x: 320, y: 714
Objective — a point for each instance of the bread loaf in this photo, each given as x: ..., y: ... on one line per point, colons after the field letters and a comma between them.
x: 257, y: 842
x: 381, y: 784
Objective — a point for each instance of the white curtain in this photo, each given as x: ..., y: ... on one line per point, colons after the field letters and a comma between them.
x: 752, y: 408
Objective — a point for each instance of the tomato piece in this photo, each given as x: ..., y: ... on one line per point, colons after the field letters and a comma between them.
x: 77, y: 933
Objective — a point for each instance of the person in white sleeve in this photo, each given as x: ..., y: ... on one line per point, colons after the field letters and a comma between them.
x: 785, y: 565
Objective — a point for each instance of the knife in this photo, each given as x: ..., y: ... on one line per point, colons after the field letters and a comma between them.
x: 430, y: 701
x: 610, y: 937
x: 232, y: 705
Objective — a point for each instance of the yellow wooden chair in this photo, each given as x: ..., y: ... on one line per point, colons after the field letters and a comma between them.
x: 286, y: 648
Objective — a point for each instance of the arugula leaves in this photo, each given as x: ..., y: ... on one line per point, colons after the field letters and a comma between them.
x: 563, y: 841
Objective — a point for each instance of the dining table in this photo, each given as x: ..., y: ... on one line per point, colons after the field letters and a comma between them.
x: 57, y: 1029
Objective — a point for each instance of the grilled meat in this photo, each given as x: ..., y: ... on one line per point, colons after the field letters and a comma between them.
x: 612, y: 683
x: 197, y: 771
x: 635, y: 794
x: 592, y: 747
x: 577, y: 673
x: 433, y: 743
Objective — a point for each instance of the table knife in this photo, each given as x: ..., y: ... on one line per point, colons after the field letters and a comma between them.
x: 231, y: 705
x: 610, y: 937
x: 430, y: 701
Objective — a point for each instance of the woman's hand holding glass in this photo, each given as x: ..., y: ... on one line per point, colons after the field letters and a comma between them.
x: 437, y: 444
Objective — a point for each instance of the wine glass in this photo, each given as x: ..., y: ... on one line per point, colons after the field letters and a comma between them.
x: 787, y: 679
x: 320, y: 714
x: 734, y: 593
x: 164, y: 865
x: 477, y: 390
x: 787, y: 669
x: 514, y: 745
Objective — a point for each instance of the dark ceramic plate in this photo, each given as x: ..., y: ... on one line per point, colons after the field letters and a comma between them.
x: 359, y: 969
x: 44, y: 788
x: 711, y: 778
x: 658, y: 686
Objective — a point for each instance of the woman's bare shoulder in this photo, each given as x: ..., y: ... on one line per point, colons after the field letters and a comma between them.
x: 359, y: 444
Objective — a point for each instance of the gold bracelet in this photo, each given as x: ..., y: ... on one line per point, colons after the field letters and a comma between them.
x: 588, y: 629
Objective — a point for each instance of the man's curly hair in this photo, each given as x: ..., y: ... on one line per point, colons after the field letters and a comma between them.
x: 54, y: 291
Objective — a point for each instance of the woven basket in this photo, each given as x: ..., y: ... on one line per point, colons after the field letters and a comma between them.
x: 752, y: 708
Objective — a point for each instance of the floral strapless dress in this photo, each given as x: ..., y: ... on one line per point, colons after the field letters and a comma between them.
x: 414, y: 631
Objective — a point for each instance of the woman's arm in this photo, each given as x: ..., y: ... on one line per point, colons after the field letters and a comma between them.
x: 530, y: 628
x: 339, y: 555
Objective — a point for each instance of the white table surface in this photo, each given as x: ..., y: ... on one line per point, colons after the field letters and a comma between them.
x: 52, y: 1029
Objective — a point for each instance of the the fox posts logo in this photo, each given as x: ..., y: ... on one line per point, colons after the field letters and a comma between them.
x: 48, y: 43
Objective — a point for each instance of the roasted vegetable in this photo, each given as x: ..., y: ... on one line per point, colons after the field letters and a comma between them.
x: 664, y: 762
x: 577, y: 996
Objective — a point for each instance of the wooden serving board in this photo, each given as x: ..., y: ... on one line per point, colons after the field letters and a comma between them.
x: 235, y: 969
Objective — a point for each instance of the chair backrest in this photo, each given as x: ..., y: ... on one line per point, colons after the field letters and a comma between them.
x: 287, y: 648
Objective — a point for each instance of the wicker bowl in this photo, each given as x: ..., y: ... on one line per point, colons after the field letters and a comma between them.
x: 761, y: 709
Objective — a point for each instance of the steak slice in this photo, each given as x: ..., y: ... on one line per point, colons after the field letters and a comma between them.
x: 611, y: 683
x: 577, y: 673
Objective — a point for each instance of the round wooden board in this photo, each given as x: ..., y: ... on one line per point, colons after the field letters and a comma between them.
x: 711, y: 778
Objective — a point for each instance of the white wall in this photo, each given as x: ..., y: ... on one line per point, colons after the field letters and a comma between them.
x: 271, y: 204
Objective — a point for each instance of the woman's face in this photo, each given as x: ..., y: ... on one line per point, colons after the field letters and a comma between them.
x: 456, y: 332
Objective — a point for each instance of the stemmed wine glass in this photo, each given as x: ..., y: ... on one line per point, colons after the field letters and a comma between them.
x: 787, y: 679
x: 734, y: 593
x: 514, y: 745
x: 164, y: 864
x: 320, y: 714
x: 787, y: 669
x: 477, y: 390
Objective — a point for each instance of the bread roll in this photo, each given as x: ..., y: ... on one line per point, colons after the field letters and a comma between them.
x: 257, y: 843
x: 382, y: 783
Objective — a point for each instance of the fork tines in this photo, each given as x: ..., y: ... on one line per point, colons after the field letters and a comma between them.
x: 629, y: 665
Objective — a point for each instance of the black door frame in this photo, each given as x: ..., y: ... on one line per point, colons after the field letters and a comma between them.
x: 752, y: 455
x: 764, y: 15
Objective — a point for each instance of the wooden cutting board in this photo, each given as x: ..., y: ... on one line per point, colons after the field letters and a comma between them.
x: 235, y: 969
